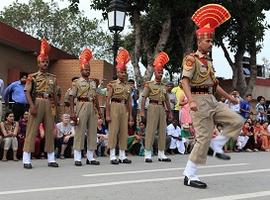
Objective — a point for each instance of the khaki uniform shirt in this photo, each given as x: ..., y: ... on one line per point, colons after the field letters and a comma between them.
x: 84, y: 89
x: 199, y: 69
x: 155, y: 91
x: 66, y: 96
x: 118, y: 89
x: 43, y: 83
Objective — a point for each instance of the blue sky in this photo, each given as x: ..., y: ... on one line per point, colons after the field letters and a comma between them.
x: 220, y: 63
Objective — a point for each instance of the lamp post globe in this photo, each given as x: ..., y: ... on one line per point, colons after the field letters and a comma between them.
x: 116, y: 23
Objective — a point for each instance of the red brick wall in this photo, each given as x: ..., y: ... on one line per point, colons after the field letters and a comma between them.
x: 66, y: 69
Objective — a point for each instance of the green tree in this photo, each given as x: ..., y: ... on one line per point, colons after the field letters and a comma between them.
x: 66, y: 30
x: 158, y: 25
x: 244, y: 34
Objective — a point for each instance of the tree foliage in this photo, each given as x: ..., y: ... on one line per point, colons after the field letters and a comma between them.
x: 243, y: 33
x: 66, y: 30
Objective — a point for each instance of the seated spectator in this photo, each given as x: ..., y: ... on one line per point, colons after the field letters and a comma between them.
x: 217, y: 137
x: 187, y: 135
x: 21, y: 134
x: 134, y: 140
x: 141, y: 133
x: 257, y: 136
x: 10, y: 130
x: 265, y: 137
x: 177, y: 142
x: 40, y: 143
x: 243, y: 138
x: 102, y: 139
x: 65, y: 134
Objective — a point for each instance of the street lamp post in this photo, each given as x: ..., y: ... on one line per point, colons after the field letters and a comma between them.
x: 116, y: 22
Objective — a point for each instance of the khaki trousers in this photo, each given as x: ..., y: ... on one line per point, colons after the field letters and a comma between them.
x: 118, y: 127
x: 44, y: 114
x: 87, y: 125
x: 209, y: 113
x: 156, y: 121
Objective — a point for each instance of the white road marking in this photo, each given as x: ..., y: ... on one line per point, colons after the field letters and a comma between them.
x: 161, y: 170
x: 8, y: 192
x: 241, y: 196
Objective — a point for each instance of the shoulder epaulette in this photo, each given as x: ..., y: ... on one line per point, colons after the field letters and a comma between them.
x: 189, y: 60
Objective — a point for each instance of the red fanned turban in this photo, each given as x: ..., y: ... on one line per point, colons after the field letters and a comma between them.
x: 209, y: 17
x: 122, y: 59
x: 44, y: 50
x: 161, y: 60
x: 85, y: 57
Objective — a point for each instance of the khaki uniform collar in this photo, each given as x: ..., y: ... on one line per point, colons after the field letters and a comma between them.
x: 201, y: 55
x: 119, y: 82
x: 83, y: 80
x: 42, y: 73
x: 157, y: 83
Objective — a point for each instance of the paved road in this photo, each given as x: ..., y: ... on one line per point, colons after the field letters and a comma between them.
x: 246, y: 176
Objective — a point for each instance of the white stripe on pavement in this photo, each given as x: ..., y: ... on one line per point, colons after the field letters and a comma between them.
x: 241, y: 196
x: 161, y: 170
x: 125, y: 182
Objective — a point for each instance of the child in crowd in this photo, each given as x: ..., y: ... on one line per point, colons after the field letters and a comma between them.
x: 187, y: 136
x: 10, y: 130
x: 257, y: 136
x: 22, y: 131
x: 265, y: 137
x: 102, y: 139
x: 135, y: 139
x: 65, y: 134
x: 243, y: 138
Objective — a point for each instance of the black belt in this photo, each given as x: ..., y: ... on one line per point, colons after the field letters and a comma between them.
x: 203, y: 89
x: 84, y: 99
x: 44, y: 95
x: 152, y: 101
x: 116, y: 100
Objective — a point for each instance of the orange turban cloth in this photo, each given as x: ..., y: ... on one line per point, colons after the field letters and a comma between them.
x: 161, y: 60
x: 209, y: 17
x: 122, y: 59
x: 85, y: 57
x: 44, y: 50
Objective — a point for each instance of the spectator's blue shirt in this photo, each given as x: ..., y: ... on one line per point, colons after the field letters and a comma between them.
x: 245, y: 105
x: 16, y: 90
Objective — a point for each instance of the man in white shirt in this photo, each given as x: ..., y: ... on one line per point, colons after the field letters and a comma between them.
x: 177, y: 141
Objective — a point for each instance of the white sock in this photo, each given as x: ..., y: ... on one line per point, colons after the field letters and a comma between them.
x: 90, y: 155
x: 218, y: 142
x: 147, y: 154
x: 122, y: 154
x: 77, y: 155
x: 161, y: 155
x: 51, y: 157
x: 112, y: 154
x: 191, y: 170
x: 26, y: 158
